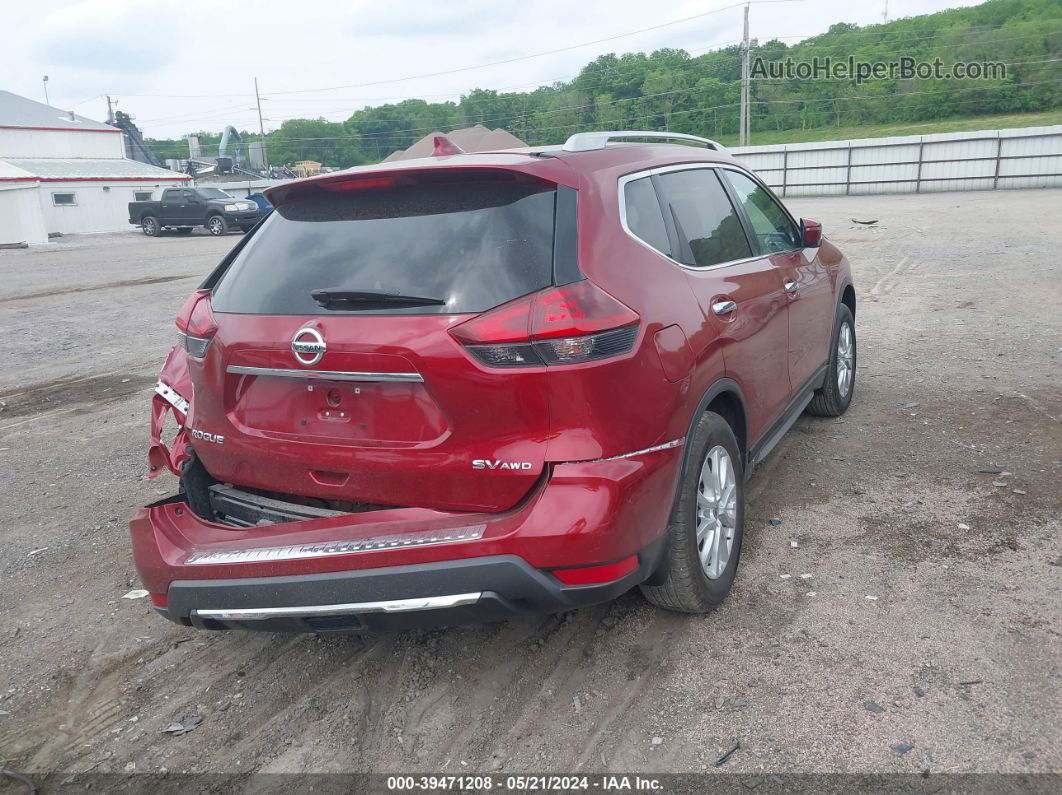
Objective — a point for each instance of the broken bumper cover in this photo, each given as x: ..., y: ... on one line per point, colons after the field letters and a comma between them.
x: 400, y: 597
x: 399, y: 567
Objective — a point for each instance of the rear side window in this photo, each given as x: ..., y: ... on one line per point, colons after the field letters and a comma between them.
x: 473, y: 245
x: 644, y: 219
x: 774, y: 229
x: 708, y: 228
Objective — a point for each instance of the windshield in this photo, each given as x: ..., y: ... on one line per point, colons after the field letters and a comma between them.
x: 471, y: 245
x: 214, y: 193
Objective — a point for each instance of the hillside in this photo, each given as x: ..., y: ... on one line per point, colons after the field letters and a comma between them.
x: 672, y: 89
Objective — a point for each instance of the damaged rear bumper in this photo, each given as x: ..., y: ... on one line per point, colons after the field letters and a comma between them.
x: 405, y: 567
x: 399, y: 597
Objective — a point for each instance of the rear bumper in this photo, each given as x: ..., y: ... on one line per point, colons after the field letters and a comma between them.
x: 401, y: 597
x: 580, y: 515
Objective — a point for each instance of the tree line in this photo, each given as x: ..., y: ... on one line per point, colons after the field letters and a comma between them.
x: 670, y: 89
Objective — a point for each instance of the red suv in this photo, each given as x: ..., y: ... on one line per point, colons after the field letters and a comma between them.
x: 469, y: 386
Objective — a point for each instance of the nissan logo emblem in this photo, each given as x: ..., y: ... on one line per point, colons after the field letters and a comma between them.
x: 308, y: 346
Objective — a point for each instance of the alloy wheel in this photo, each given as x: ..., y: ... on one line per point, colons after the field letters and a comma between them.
x: 716, y: 511
x: 845, y: 359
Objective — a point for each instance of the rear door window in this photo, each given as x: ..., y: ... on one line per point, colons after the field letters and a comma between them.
x: 708, y: 227
x: 474, y: 245
x: 774, y: 229
x: 644, y: 219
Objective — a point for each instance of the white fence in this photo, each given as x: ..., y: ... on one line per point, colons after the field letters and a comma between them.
x: 1027, y: 157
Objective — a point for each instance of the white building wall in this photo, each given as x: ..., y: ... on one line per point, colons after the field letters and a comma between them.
x: 21, y: 220
x: 60, y: 143
x: 100, y: 207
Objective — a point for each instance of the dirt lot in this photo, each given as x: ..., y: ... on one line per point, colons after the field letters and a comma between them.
x: 922, y: 604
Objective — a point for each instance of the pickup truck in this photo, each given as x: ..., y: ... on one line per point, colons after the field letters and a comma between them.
x: 185, y: 208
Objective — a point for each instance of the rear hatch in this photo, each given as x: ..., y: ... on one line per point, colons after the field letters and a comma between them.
x: 332, y: 373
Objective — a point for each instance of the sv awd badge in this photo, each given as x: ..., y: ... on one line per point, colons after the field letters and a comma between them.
x: 213, y: 438
x: 482, y: 463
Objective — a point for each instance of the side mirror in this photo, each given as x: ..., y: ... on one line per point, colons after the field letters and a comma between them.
x: 811, y: 231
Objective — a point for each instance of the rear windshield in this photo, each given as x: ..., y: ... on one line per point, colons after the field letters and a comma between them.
x: 473, y: 245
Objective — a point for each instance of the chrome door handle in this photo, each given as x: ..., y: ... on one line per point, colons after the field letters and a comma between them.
x: 724, y: 307
x: 791, y: 288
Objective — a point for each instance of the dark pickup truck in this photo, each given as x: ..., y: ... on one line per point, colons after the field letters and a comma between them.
x: 185, y: 208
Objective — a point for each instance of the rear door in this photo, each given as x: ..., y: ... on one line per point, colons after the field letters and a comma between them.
x: 174, y: 206
x: 809, y: 291
x: 741, y: 293
x: 374, y: 403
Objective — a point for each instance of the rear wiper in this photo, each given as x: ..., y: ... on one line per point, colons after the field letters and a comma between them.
x: 367, y: 299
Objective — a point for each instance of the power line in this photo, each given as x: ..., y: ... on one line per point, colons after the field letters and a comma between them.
x: 526, y: 57
x: 863, y: 97
x: 716, y: 62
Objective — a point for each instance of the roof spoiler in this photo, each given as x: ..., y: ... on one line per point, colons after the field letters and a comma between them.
x: 588, y: 141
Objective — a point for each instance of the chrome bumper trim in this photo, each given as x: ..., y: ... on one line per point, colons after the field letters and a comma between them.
x: 170, y: 395
x: 325, y: 549
x: 325, y: 375
x: 354, y: 608
x: 664, y: 446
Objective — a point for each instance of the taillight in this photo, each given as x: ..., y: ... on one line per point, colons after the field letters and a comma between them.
x: 576, y: 323
x: 195, y: 324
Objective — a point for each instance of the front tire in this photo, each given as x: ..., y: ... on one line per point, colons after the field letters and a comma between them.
x: 704, y: 537
x: 216, y: 225
x: 835, y: 396
x: 150, y: 225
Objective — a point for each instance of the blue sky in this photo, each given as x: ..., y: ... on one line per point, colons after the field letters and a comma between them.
x: 184, y: 65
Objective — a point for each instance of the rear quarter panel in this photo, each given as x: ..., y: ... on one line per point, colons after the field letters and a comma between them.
x: 619, y: 406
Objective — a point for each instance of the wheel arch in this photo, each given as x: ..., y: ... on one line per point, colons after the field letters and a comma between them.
x: 725, y: 398
x: 848, y: 298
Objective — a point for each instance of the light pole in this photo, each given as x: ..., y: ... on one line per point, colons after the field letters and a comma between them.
x: 261, y: 126
x: 743, y: 123
x: 45, y: 81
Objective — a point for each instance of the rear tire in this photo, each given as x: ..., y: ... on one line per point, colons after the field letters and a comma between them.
x: 835, y: 396
x: 246, y: 229
x: 697, y: 578
x: 150, y: 225
x: 216, y: 225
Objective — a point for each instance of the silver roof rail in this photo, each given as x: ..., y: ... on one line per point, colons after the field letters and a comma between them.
x: 588, y: 141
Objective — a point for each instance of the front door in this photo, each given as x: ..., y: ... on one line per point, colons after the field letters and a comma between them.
x: 809, y: 291
x: 740, y: 292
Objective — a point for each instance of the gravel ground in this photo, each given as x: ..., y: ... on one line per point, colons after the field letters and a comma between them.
x: 919, y: 606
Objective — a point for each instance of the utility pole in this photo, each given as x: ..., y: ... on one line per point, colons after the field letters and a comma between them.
x: 110, y: 112
x: 743, y: 123
x: 45, y: 81
x: 885, y: 13
x: 261, y: 125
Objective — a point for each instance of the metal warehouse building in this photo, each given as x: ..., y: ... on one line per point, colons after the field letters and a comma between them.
x: 62, y: 173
